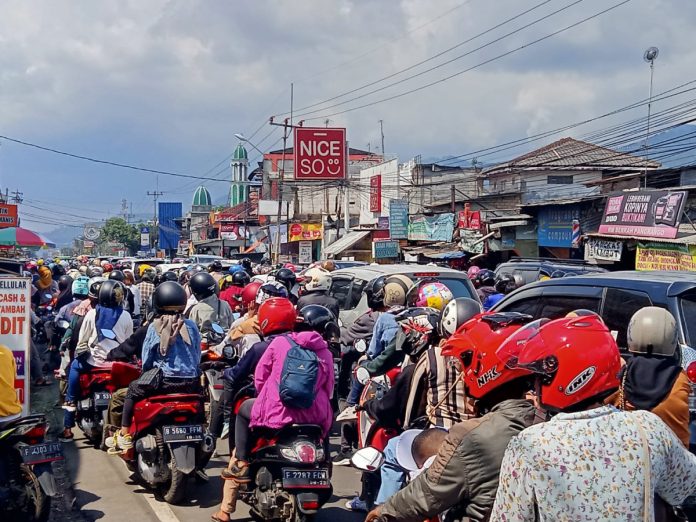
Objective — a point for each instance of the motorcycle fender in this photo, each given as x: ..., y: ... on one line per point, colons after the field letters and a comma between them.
x: 184, y: 455
x: 44, y: 474
x: 306, y: 497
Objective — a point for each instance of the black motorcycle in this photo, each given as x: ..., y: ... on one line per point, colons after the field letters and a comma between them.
x: 26, y: 478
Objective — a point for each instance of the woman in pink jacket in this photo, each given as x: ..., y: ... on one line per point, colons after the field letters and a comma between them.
x: 267, y: 410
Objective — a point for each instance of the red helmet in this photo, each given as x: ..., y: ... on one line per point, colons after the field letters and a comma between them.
x: 577, y: 357
x: 249, y: 293
x: 108, y: 267
x: 290, y: 266
x: 277, y: 315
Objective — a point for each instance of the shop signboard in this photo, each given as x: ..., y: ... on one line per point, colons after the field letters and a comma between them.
x: 320, y: 153
x: 650, y: 214
x: 665, y: 256
x: 469, y: 219
x: 8, y: 215
x: 233, y: 231
x: 603, y: 249
x: 376, y: 193
x: 144, y: 238
x: 556, y: 225
x: 385, y: 249
x: 15, y: 326
x: 431, y: 228
x: 398, y: 219
x: 305, y: 252
x: 305, y: 231
x: 383, y: 223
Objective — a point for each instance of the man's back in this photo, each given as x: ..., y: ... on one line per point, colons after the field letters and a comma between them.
x: 589, y: 466
x: 211, y: 309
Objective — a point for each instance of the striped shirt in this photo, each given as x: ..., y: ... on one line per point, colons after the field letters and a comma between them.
x: 445, y: 390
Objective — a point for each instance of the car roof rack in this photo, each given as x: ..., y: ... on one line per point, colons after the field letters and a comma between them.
x: 516, y: 259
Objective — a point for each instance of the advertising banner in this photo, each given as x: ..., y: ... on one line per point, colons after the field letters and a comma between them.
x: 144, y: 238
x: 556, y: 225
x: 654, y: 213
x: 603, y: 249
x: 398, y: 219
x: 383, y: 223
x: 8, y: 215
x: 471, y: 241
x: 304, y: 252
x: 169, y: 224
x: 15, y: 330
x: 385, y: 249
x: 305, y: 231
x: 469, y: 219
x: 320, y: 153
x: 233, y: 231
x: 662, y: 256
x: 431, y: 228
x: 376, y: 193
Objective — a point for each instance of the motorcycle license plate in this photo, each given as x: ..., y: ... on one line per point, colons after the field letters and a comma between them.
x: 303, y: 478
x: 40, y: 453
x: 101, y: 399
x: 183, y: 433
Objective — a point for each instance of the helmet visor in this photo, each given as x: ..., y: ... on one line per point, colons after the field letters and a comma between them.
x: 511, y: 348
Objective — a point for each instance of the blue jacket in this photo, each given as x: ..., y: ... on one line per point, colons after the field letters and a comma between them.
x: 181, y: 361
x: 383, y: 333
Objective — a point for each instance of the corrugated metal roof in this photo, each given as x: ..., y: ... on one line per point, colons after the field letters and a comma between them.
x: 345, y: 242
x: 569, y: 152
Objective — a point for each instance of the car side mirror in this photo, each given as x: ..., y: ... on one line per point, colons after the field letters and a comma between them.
x: 367, y: 459
x: 360, y: 346
x: 362, y: 375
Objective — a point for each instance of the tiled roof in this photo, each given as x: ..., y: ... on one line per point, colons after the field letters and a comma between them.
x: 569, y: 153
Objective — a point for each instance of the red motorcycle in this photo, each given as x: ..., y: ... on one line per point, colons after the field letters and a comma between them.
x: 96, y: 387
x: 170, y: 443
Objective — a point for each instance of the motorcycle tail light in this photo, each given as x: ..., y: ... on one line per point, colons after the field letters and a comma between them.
x: 310, y: 504
x: 180, y: 418
x: 306, y: 452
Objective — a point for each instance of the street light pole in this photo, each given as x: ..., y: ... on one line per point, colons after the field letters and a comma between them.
x: 649, y: 56
x: 287, y: 123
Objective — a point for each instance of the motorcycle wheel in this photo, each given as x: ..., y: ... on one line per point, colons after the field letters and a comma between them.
x: 40, y: 508
x: 175, y: 490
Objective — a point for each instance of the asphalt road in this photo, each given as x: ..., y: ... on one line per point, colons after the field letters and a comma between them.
x: 104, y: 490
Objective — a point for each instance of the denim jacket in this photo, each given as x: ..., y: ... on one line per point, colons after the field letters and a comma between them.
x: 181, y: 361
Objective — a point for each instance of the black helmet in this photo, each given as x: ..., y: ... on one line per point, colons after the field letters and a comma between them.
x: 203, y: 285
x: 240, y: 278
x: 117, y: 275
x: 149, y: 275
x: 112, y: 293
x: 215, y: 266
x: 457, y: 312
x: 375, y: 293
x: 287, y: 277
x: 418, y: 330
x: 169, y: 298
x: 246, y: 263
x: 65, y: 282
x: 319, y: 319
x: 57, y: 271
x: 94, y: 271
x: 486, y: 278
x: 169, y: 275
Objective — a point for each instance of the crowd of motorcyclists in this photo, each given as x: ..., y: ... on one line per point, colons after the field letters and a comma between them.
x: 484, y: 416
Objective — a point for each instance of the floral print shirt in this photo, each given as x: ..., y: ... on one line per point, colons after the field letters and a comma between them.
x: 589, y: 466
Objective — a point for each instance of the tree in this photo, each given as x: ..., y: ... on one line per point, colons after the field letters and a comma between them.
x: 118, y: 230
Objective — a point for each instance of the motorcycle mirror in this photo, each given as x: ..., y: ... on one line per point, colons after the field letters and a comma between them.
x: 367, y: 459
x: 109, y: 334
x: 228, y: 352
x: 218, y: 329
x: 360, y: 346
x: 362, y: 375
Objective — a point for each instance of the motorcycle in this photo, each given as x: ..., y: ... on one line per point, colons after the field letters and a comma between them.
x: 215, y: 358
x: 96, y: 387
x: 170, y: 443
x: 26, y: 478
x: 290, y: 474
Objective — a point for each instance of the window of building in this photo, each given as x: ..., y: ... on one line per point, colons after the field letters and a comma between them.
x: 559, y: 180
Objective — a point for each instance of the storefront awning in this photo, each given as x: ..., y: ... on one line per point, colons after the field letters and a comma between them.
x: 345, y: 242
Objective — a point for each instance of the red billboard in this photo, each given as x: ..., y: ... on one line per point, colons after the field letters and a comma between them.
x: 376, y: 193
x: 8, y: 215
x: 651, y: 214
x: 320, y: 153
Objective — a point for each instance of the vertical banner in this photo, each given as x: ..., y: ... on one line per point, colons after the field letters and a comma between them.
x: 305, y: 252
x: 15, y: 330
x: 144, y: 238
x: 376, y: 193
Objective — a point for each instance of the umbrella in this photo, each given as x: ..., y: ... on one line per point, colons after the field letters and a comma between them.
x: 21, y: 237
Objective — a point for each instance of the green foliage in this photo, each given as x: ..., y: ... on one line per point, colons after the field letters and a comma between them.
x: 118, y: 230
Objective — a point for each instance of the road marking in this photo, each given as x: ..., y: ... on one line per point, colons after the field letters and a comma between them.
x: 161, y: 509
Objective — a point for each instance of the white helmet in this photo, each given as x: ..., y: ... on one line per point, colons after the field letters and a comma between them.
x: 652, y: 331
x: 319, y: 282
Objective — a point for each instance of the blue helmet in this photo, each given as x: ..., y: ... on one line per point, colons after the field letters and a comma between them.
x: 80, y: 286
x: 235, y: 268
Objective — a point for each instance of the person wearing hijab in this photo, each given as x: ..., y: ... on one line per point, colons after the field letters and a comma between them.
x: 171, y: 357
x: 46, y: 287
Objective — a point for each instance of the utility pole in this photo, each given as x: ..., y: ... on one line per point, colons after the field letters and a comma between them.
x: 155, y: 194
x: 452, y: 197
x: 17, y: 197
x: 381, y: 131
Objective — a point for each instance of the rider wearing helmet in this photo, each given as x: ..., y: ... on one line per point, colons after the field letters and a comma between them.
x: 232, y: 286
x: 504, y: 284
x: 626, y: 457
x: 317, y: 293
x: 287, y: 278
x: 652, y: 378
x: 64, y: 291
x: 209, y: 306
x: 215, y: 269
x: 172, y: 350
x: 318, y: 318
x: 471, y: 273
x: 103, y: 328
x: 485, y: 284
x: 463, y: 477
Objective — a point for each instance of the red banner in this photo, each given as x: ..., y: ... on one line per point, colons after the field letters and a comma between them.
x: 320, y: 153
x: 376, y: 193
x: 469, y: 219
x: 8, y: 215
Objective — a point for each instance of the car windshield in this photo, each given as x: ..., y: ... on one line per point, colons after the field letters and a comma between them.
x: 688, y: 310
x: 457, y: 286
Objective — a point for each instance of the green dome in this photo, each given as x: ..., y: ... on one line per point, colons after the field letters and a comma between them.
x: 240, y: 153
x: 201, y: 198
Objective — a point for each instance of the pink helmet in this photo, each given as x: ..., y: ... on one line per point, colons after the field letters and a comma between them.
x: 473, y: 270
x: 429, y: 294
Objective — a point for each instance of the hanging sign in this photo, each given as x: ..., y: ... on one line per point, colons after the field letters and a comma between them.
x: 376, y: 193
x: 320, y: 153
x: 431, y: 228
x: 15, y: 330
x: 603, y: 249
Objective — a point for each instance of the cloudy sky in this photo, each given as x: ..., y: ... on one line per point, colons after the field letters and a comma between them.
x: 165, y: 84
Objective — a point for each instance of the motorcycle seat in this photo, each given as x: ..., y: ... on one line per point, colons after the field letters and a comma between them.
x: 29, y: 419
x: 179, y: 397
